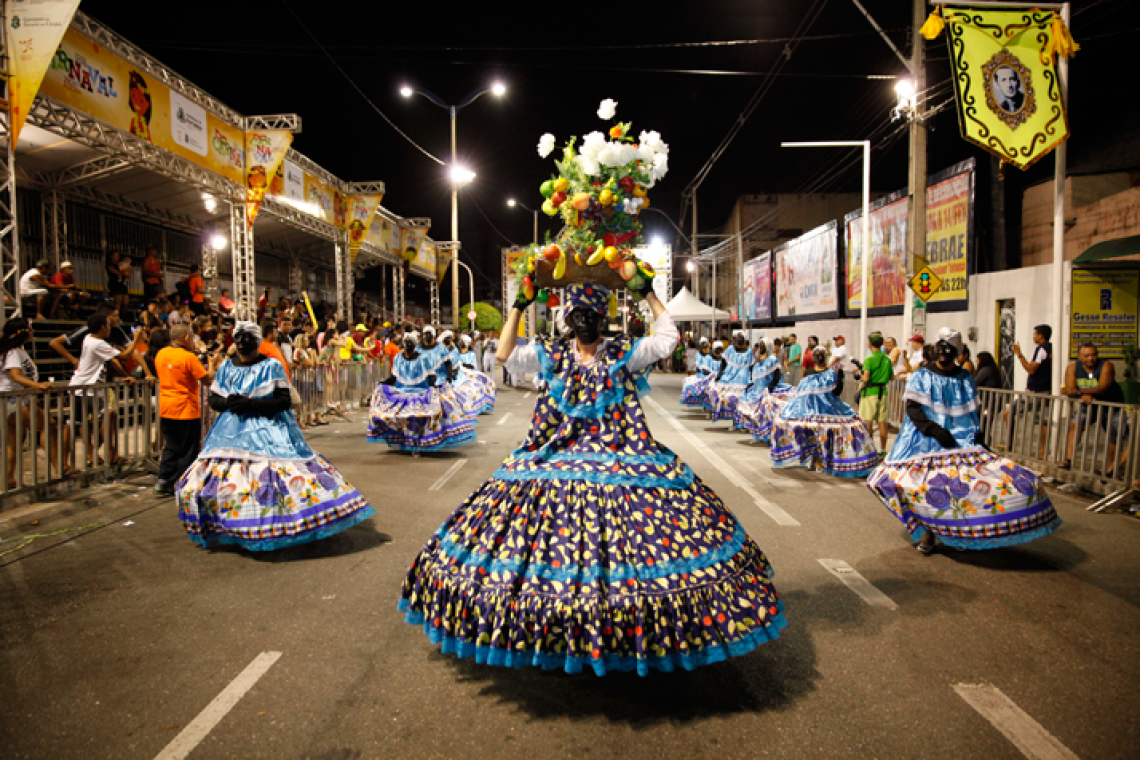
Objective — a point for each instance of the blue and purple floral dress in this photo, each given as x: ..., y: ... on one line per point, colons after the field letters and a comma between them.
x: 593, y: 546
x: 694, y: 387
x: 818, y: 430
x: 257, y: 483
x: 419, y: 413
x: 967, y: 497
x: 724, y: 393
x: 476, y: 390
x: 757, y: 405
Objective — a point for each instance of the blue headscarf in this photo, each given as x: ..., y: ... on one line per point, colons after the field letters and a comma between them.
x: 589, y: 296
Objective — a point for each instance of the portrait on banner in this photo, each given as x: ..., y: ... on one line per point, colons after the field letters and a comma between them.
x: 1010, y: 94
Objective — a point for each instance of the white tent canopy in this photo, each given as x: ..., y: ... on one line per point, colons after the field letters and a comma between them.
x: 686, y: 307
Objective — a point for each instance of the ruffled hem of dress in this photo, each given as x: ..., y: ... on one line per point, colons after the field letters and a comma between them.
x: 600, y: 665
x: 451, y: 442
x: 991, y: 543
x: 602, y: 478
x: 272, y: 544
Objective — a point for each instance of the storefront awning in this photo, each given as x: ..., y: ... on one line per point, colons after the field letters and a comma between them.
x: 1110, y: 249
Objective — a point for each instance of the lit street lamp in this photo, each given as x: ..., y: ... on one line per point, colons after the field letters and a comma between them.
x: 459, y: 175
x: 512, y: 203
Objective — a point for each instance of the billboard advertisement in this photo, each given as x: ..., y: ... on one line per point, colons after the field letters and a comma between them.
x: 756, y: 293
x: 949, y: 234
x: 1104, y: 310
x: 887, y: 265
x: 806, y: 271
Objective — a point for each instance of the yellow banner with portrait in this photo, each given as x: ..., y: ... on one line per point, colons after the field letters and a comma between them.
x: 1005, y: 77
x: 34, y: 33
x: 361, y: 210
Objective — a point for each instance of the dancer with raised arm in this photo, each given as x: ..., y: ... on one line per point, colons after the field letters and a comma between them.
x: 593, y: 546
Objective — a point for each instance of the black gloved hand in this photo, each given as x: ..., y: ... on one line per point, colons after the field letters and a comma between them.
x: 646, y: 288
x: 945, y: 440
x: 431, y: 379
x: 521, y: 301
x: 240, y: 405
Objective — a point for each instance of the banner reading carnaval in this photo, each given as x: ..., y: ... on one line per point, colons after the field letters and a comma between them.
x: 949, y: 244
x: 756, y: 293
x: 806, y: 274
x: 87, y: 76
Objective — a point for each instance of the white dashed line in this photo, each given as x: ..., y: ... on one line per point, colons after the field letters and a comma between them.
x: 1014, y: 723
x: 191, y: 736
x: 780, y: 516
x: 437, y: 485
x: 857, y: 583
x: 504, y: 418
x: 526, y: 395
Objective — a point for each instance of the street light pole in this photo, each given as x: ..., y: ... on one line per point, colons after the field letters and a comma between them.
x: 472, y: 280
x: 866, y: 254
x: 458, y: 174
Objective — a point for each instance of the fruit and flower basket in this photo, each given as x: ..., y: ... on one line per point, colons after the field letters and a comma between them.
x: 600, y: 189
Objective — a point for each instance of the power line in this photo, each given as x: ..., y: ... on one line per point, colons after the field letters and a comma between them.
x: 754, y: 102
x: 355, y: 86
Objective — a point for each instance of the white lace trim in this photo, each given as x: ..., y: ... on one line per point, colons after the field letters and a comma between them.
x: 950, y: 411
x: 261, y: 391
x: 815, y: 391
x: 250, y: 456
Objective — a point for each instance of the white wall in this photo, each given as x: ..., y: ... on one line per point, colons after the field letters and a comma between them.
x: 1031, y: 287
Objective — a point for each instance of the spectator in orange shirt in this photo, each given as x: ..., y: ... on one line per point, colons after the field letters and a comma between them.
x: 197, y: 290
x: 179, y: 405
x: 269, y: 345
x: 151, y: 274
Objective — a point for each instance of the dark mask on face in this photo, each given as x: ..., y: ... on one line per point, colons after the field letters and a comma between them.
x: 741, y: 343
x: 247, y: 343
x: 946, y: 352
x: 586, y: 325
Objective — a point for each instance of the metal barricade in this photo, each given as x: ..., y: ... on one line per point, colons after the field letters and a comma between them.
x: 53, y: 436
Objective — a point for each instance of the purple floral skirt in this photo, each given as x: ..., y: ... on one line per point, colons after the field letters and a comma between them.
x: 428, y: 419
x: 593, y: 571
x: 968, y: 498
x: 754, y: 416
x: 693, y: 389
x: 266, y: 504
x: 828, y: 443
x: 724, y: 397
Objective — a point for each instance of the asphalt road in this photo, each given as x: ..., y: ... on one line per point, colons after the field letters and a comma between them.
x: 116, y: 641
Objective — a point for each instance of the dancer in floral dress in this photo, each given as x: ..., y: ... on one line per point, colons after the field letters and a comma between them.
x: 708, y: 398
x: 693, y: 389
x: 818, y: 430
x: 257, y: 483
x: 476, y: 391
x: 410, y: 411
x: 593, y: 546
x: 754, y: 411
x: 732, y: 378
x: 940, y: 483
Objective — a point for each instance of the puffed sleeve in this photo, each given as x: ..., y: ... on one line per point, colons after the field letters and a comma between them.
x: 655, y: 347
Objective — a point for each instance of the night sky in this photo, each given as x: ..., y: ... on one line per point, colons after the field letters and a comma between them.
x: 559, y: 60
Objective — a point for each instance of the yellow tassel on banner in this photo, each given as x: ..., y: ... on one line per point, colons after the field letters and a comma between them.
x: 1062, y: 42
x: 613, y: 310
x: 934, y: 24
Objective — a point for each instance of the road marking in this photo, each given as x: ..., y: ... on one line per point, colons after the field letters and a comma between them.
x: 504, y: 418
x: 191, y: 736
x: 851, y: 578
x: 780, y: 516
x: 759, y: 473
x: 437, y: 485
x: 526, y: 395
x: 1023, y: 732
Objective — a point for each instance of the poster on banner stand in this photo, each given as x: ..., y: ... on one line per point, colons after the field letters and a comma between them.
x: 33, y: 36
x: 264, y: 152
x: 950, y: 197
x: 806, y: 275
x: 1104, y: 310
x: 887, y: 271
x: 756, y: 293
x: 361, y: 210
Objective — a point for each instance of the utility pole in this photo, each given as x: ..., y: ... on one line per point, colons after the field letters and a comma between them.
x: 916, y: 216
x: 693, y: 246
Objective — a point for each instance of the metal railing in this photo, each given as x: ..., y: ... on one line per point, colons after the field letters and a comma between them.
x: 97, y: 431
